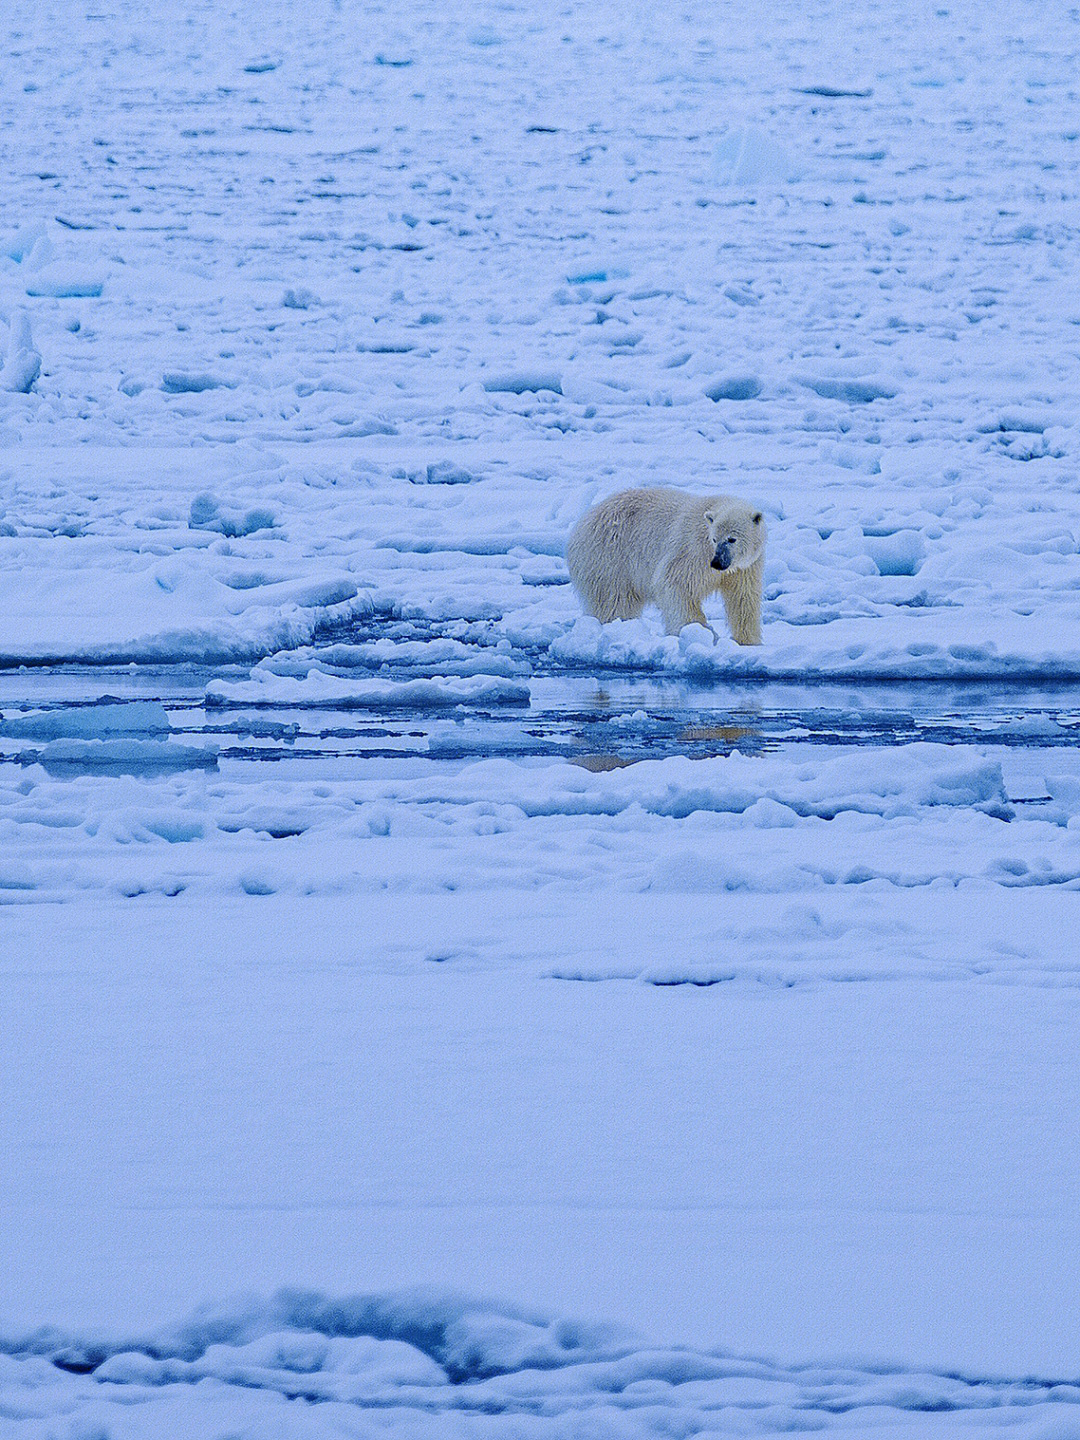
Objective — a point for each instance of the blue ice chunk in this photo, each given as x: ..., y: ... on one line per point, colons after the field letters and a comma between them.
x: 178, y: 382
x: 525, y: 380
x: 735, y: 387
x: 855, y: 392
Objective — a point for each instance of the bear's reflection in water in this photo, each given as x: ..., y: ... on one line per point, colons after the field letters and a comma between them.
x: 727, y: 736
x: 598, y: 764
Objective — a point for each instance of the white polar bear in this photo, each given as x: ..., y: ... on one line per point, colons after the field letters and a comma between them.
x: 661, y: 547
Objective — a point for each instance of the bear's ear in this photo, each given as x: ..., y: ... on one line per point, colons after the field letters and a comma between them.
x: 709, y: 517
x: 757, y: 518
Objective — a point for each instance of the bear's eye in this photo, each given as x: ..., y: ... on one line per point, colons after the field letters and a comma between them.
x: 709, y: 517
x: 757, y: 519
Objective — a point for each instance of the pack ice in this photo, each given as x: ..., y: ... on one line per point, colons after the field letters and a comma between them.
x: 479, y: 1021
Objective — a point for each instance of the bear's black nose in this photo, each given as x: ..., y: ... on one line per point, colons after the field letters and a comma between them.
x: 722, y: 559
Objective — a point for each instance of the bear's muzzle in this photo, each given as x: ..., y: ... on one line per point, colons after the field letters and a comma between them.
x: 722, y: 559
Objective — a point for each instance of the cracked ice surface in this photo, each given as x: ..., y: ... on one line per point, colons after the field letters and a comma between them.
x: 370, y: 319
x: 320, y: 326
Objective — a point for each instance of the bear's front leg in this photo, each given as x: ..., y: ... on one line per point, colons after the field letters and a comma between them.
x: 742, y: 603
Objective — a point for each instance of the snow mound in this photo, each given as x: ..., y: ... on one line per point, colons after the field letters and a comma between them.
x: 317, y: 688
x: 735, y: 387
x: 519, y: 382
x: 445, y: 472
x: 446, y: 656
x: 206, y: 513
x: 428, y: 1364
x: 22, y: 363
x: 63, y: 281
x: 20, y: 246
x: 416, y: 1336
x: 853, y: 391
x: 870, y: 783
x: 901, y: 553
x: 747, y: 156
x: 1016, y: 647
x: 178, y: 382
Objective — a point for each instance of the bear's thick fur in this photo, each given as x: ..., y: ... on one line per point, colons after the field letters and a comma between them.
x: 661, y: 547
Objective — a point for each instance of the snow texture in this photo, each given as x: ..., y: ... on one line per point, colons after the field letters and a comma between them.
x: 266, y: 688
x: 871, y: 338
x: 430, y: 1364
x: 373, y: 919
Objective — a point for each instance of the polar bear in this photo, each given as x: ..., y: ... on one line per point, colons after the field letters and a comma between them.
x: 661, y: 547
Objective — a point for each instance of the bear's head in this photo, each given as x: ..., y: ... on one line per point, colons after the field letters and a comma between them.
x: 736, y: 534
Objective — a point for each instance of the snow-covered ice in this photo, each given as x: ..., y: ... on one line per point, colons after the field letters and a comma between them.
x: 432, y: 1364
x: 316, y: 688
x: 477, y: 1020
x: 568, y: 300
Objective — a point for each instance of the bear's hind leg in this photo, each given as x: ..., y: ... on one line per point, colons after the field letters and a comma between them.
x: 630, y: 605
x: 619, y: 606
x: 679, y: 611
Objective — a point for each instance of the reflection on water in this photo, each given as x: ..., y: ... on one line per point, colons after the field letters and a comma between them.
x: 601, y: 723
x: 729, y: 734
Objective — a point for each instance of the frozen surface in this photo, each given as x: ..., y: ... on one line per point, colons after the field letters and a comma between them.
x: 379, y: 1090
x: 366, y: 324
x: 266, y: 688
x: 597, y: 1009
